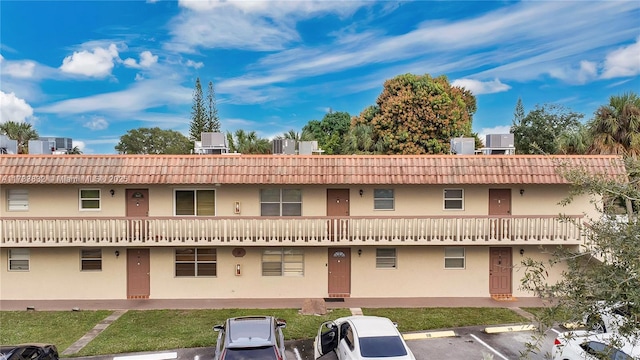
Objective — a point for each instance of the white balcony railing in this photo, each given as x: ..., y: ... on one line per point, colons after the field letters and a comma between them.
x: 290, y: 231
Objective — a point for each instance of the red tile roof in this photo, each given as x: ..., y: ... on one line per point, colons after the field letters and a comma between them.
x: 298, y: 169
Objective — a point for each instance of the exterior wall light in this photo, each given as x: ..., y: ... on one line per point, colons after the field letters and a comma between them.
x: 112, y: 192
x: 361, y: 192
x: 521, y: 192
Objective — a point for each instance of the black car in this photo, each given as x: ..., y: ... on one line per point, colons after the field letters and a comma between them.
x: 250, y: 338
x: 29, y: 352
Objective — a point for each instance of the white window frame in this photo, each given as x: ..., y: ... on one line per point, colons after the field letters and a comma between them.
x: 445, y: 199
x: 86, y: 258
x: 196, y: 260
x: 17, y: 200
x: 195, y: 201
x: 17, y: 255
x: 289, y: 265
x: 281, y: 202
x: 386, y: 261
x: 81, y: 199
x: 457, y: 256
x: 378, y: 200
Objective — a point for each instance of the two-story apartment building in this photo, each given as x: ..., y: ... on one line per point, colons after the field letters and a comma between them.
x: 282, y: 226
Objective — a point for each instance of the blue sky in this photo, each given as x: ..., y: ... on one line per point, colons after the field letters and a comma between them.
x: 92, y: 70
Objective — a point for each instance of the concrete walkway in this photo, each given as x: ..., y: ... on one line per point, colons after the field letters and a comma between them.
x: 279, y: 303
x: 83, y: 341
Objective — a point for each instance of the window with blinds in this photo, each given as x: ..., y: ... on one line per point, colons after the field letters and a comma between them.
x: 282, y: 262
x: 386, y: 258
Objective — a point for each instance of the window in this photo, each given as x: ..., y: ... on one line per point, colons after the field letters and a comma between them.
x: 195, y: 202
x: 18, y: 259
x: 196, y: 262
x: 91, y: 259
x: 18, y: 200
x: 385, y: 258
x: 89, y: 199
x: 281, y: 202
x: 383, y: 199
x: 454, y: 258
x: 453, y: 199
x: 283, y: 262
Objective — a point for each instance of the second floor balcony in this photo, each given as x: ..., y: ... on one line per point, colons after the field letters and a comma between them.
x: 290, y: 231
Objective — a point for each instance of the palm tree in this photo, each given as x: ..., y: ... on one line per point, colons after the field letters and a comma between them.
x: 575, y: 141
x: 75, y: 151
x: 616, y: 127
x: 247, y: 143
x: 22, y: 132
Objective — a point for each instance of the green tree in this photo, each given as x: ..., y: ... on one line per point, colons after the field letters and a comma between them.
x: 518, y: 113
x: 330, y: 131
x: 213, y: 121
x: 419, y: 114
x: 606, y: 269
x: 575, y: 141
x: 22, y: 132
x: 539, y: 130
x: 153, y: 141
x: 248, y: 143
x: 616, y: 127
x: 198, y: 114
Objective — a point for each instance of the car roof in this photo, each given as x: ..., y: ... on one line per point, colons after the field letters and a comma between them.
x: 631, y: 345
x: 369, y: 326
x: 250, y: 331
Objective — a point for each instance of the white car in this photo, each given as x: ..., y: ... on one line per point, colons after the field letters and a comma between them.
x: 609, y: 318
x: 585, y: 345
x: 361, y: 338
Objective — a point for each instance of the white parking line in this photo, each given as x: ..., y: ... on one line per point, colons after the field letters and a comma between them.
x: 297, y: 353
x: 162, y: 356
x: 488, y: 347
x: 556, y: 331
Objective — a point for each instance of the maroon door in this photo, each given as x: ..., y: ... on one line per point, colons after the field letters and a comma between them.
x: 137, y: 209
x: 499, y: 270
x: 339, y: 272
x: 500, y: 207
x: 138, y: 279
x: 338, y: 209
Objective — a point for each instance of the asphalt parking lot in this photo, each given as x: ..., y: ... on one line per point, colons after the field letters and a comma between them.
x: 467, y: 343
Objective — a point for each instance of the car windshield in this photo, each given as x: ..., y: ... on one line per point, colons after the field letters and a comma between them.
x: 382, y: 346
x: 261, y: 353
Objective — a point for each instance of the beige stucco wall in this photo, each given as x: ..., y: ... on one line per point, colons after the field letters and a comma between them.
x: 55, y: 274
x: 62, y: 200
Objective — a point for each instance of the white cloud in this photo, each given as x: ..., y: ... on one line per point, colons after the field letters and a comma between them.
x: 587, y: 71
x: 12, y: 108
x: 18, y: 69
x: 195, y: 65
x: 623, y: 62
x: 147, y: 59
x: 256, y: 25
x: 141, y: 95
x: 96, y: 124
x: 79, y: 144
x: 479, y: 87
x: 96, y: 63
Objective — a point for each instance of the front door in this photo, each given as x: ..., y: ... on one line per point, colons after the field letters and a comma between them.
x: 339, y: 272
x: 499, y: 270
x: 138, y: 279
x: 500, y: 207
x: 338, y: 209
x: 137, y: 208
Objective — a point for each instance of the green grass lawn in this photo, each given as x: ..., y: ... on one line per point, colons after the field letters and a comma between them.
x: 61, y: 328
x: 150, y: 330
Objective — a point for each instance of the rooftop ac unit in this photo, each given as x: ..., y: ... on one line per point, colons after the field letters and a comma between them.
x: 283, y: 147
x: 500, y: 141
x: 463, y: 146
